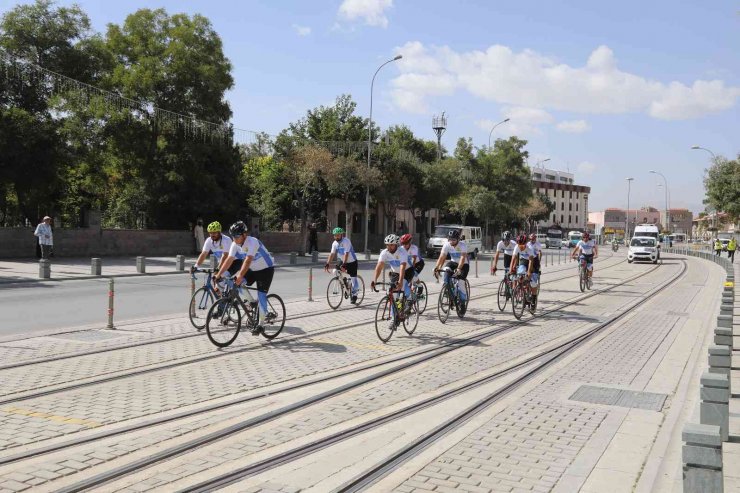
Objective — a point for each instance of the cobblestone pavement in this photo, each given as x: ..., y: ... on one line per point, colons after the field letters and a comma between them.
x: 39, y: 419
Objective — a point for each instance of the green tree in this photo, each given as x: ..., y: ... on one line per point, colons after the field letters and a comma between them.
x: 722, y: 185
x: 270, y: 198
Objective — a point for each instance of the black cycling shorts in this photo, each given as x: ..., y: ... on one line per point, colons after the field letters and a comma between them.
x: 507, y: 261
x: 263, y: 278
x: 236, y: 266
x: 351, y: 268
x: 536, y: 267
x: 419, y: 266
x: 464, y: 271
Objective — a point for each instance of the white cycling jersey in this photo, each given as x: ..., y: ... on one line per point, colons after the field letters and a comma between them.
x: 524, y: 255
x: 587, y: 247
x: 252, y: 247
x: 342, y: 247
x: 536, y: 246
x: 219, y: 247
x: 413, y: 251
x: 455, y: 252
x: 394, y: 260
x: 506, y: 249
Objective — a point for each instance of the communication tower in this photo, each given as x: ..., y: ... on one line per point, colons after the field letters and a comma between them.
x: 439, y: 124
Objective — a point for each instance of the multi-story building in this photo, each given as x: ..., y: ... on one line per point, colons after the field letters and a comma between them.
x: 679, y: 220
x: 612, y: 220
x: 571, y: 200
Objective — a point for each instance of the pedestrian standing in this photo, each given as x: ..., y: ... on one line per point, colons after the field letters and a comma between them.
x: 717, y: 248
x: 313, y: 238
x: 199, y: 235
x: 731, y: 247
x: 45, y: 236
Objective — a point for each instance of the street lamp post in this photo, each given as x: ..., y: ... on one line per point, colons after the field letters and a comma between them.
x: 665, y: 183
x: 542, y: 161
x: 705, y: 149
x: 627, y: 212
x: 369, y: 147
x: 494, y: 128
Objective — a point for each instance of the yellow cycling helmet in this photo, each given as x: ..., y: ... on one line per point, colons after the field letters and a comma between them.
x: 214, y: 227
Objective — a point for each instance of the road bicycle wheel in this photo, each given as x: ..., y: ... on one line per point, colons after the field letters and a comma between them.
x: 385, y: 323
x: 200, y: 304
x: 502, y: 299
x: 444, y: 304
x: 517, y: 302
x: 582, y: 278
x: 360, y: 291
x: 223, y: 322
x: 275, y: 319
x: 412, y: 318
x: 422, y: 296
x: 462, y: 305
x: 335, y: 293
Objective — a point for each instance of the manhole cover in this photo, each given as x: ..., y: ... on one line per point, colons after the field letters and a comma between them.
x: 89, y: 336
x: 618, y: 397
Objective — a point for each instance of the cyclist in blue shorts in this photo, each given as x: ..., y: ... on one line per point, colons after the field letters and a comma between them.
x: 342, y: 250
x: 588, y: 249
x: 523, y: 264
x: 458, y: 253
x: 416, y: 263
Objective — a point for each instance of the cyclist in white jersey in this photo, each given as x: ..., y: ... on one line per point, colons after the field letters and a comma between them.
x: 523, y: 264
x: 505, y: 246
x: 458, y: 253
x: 398, y: 260
x: 587, y: 247
x: 416, y: 262
x: 342, y: 250
x: 257, y: 266
x: 216, y: 243
x: 536, y: 246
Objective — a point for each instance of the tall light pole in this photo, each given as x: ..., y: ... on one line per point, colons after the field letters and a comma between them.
x: 542, y: 161
x: 705, y: 149
x: 627, y: 213
x: 494, y: 128
x: 369, y: 147
x: 665, y: 183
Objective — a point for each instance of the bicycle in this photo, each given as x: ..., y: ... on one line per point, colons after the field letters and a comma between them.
x: 202, y: 299
x: 419, y: 289
x: 392, y: 312
x: 225, y: 316
x: 504, y: 292
x: 340, y: 288
x: 522, y: 297
x: 449, y: 296
x: 584, y: 280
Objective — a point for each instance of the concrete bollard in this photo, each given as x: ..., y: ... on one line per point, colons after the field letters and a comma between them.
x: 315, y: 256
x: 111, y: 295
x: 720, y: 359
x: 44, y: 269
x: 96, y: 267
x: 726, y: 309
x: 724, y: 321
x: 723, y: 336
x: 180, y: 262
x: 476, y: 266
x: 310, y: 284
x: 702, y: 459
x: 213, y: 262
x: 141, y: 265
x: 715, y: 402
x: 367, y: 255
x: 293, y: 258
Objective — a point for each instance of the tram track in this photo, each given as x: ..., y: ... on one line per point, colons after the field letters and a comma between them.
x: 371, y: 476
x: 242, y: 426
x: 20, y: 396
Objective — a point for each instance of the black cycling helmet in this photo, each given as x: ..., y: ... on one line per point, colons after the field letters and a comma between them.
x: 453, y: 234
x: 506, y: 236
x: 238, y: 229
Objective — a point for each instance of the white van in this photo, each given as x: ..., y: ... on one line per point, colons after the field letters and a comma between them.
x: 648, y: 230
x: 472, y: 235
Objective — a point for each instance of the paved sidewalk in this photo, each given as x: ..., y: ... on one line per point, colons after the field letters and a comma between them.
x: 67, y: 268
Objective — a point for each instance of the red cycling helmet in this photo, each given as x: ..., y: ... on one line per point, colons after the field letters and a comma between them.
x: 521, y: 239
x: 406, y: 238
x: 532, y: 237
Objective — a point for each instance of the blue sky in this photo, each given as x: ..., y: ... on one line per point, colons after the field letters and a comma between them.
x: 604, y: 89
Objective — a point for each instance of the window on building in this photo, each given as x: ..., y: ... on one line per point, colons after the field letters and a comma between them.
x: 571, y: 194
x: 562, y: 218
x: 538, y: 176
x: 576, y: 206
x: 554, y: 219
x: 569, y: 218
x: 562, y: 206
x: 550, y: 177
x: 563, y: 179
x: 342, y: 219
x: 570, y: 206
x: 562, y: 194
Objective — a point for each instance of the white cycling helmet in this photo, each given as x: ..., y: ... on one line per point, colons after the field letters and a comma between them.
x: 392, y: 239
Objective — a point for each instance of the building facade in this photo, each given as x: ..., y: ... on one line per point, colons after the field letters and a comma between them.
x: 571, y: 200
x: 612, y: 221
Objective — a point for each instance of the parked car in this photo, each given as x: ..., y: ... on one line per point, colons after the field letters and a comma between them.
x: 643, y: 248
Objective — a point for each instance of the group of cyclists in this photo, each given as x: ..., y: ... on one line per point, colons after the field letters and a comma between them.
x: 245, y: 258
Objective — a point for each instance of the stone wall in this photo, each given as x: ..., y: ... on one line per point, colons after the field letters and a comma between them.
x: 87, y: 242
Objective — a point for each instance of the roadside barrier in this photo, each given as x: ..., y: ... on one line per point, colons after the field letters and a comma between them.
x: 141, y: 265
x: 310, y: 284
x: 315, y: 256
x: 96, y: 267
x: 180, y: 262
x: 702, y: 459
x: 44, y: 269
x: 111, y: 296
x: 476, y: 266
x: 293, y: 258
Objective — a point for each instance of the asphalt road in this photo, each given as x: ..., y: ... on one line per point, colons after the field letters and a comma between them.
x: 46, y: 306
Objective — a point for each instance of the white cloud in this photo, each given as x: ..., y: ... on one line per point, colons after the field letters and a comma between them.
x: 586, y: 168
x: 523, y: 121
x: 372, y: 12
x: 574, y: 126
x: 301, y: 30
x: 529, y: 79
